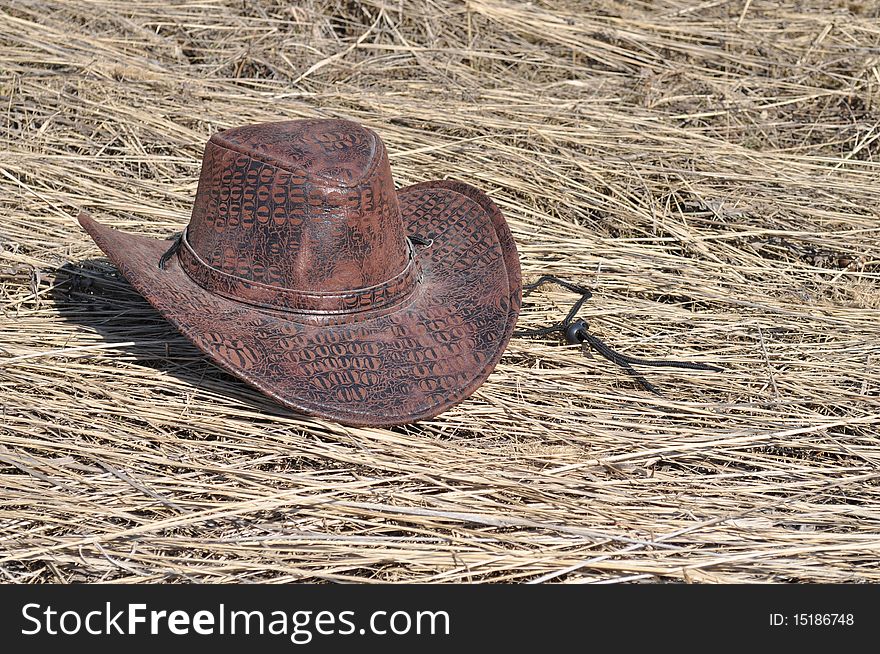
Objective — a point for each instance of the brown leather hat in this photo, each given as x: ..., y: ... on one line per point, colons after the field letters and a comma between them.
x: 306, y: 274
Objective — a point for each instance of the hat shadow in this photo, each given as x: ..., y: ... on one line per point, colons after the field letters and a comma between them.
x: 92, y: 294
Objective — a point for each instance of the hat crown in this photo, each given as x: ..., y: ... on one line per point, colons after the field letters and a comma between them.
x: 306, y: 205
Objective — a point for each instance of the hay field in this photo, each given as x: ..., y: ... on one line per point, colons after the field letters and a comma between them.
x: 709, y: 169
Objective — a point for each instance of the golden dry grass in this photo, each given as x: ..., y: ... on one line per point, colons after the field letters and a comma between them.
x: 710, y: 169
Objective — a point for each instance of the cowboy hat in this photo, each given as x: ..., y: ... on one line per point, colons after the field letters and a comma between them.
x: 307, y: 275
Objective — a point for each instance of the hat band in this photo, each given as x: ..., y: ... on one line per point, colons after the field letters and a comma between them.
x: 278, y: 298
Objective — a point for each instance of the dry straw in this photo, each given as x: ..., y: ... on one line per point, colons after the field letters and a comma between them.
x: 708, y: 169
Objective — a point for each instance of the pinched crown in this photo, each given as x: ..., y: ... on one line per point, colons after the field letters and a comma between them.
x: 305, y: 205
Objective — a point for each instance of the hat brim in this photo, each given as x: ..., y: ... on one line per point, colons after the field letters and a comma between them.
x: 425, y: 356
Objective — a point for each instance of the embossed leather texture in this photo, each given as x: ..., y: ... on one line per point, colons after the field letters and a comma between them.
x: 298, y: 274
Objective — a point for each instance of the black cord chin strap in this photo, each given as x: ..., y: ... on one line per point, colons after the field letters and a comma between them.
x: 171, y: 251
x: 577, y: 331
